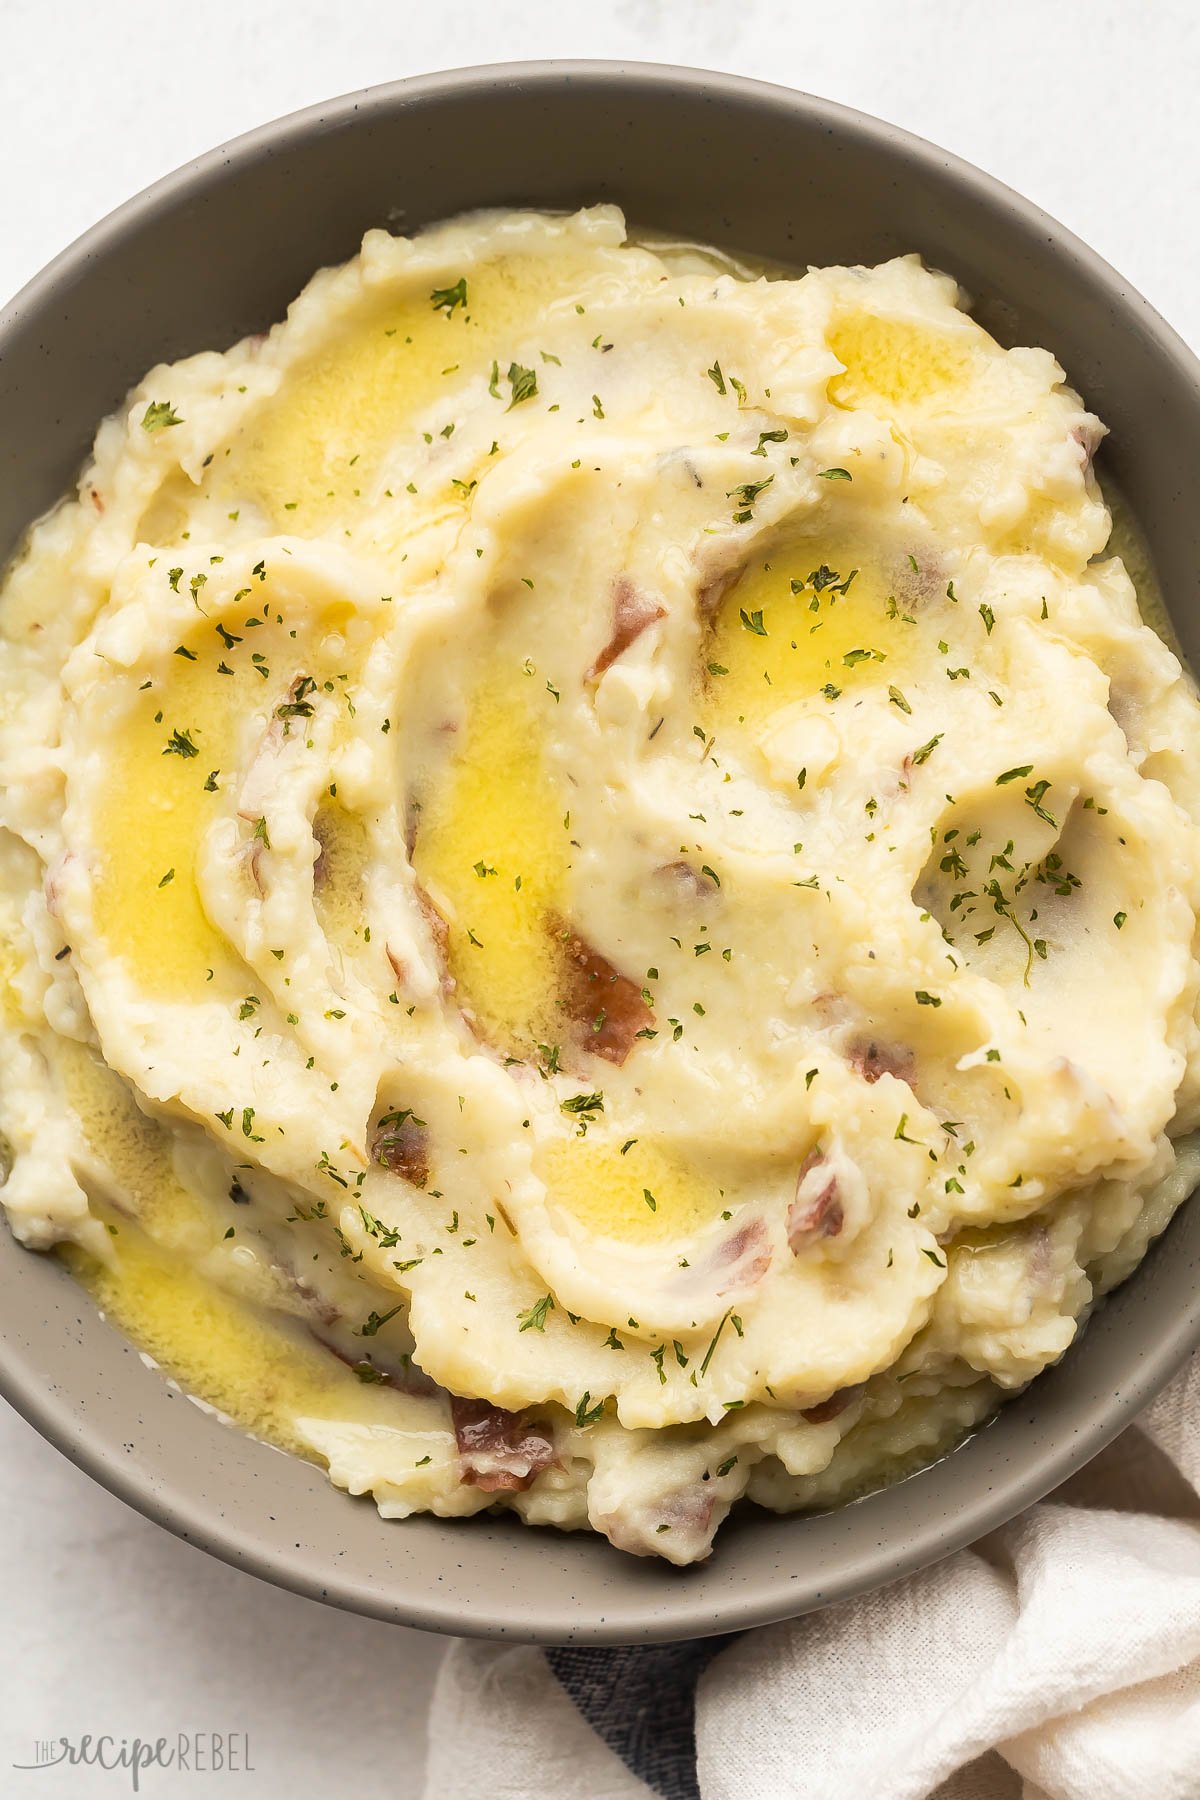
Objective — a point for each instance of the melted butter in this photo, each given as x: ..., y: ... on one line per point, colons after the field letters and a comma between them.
x: 147, y: 901
x: 897, y: 361
x: 318, y: 445
x: 808, y: 641
x: 136, y: 1150
x: 339, y: 882
x: 261, y: 1369
x: 493, y: 848
x: 1128, y: 541
x: 606, y: 1192
x: 264, y: 1373
x: 12, y: 1006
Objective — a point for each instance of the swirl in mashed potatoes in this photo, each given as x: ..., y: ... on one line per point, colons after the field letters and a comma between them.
x: 599, y: 878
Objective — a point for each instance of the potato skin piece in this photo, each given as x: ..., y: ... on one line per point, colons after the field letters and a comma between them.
x: 605, y: 1005
x: 501, y: 1452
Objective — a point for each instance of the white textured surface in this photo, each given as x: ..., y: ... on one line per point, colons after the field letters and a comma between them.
x: 108, y: 1624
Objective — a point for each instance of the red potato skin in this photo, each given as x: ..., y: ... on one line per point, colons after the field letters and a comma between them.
x: 691, y: 883
x: 746, y: 1256
x: 829, y: 1409
x: 439, y: 932
x: 718, y: 568
x: 1088, y: 437
x: 500, y: 1451
x: 731, y: 1266
x: 688, y: 1512
x: 633, y: 612
x: 873, y: 1059
x: 818, y: 1217
x: 402, y: 1148
x: 597, y: 991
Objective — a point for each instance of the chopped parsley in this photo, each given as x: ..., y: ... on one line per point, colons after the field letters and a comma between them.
x: 299, y: 706
x: 374, y: 1320
x: 744, y: 497
x: 1034, y: 796
x: 159, y: 415
x: 180, y: 744
x: 535, y: 1318
x: 716, y: 1338
x: 523, y: 383
x: 583, y: 1105
x: 447, y: 299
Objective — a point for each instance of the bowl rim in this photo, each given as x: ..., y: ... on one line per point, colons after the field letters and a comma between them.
x: 67, y: 1426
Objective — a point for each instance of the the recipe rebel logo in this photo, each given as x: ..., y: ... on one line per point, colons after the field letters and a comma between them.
x: 188, y: 1752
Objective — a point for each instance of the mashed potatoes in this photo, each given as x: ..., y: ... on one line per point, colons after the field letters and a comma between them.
x: 599, y: 879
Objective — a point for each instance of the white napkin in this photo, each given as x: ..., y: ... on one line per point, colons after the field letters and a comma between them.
x: 1058, y: 1659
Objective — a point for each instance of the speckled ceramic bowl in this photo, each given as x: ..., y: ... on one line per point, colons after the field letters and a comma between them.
x: 218, y: 250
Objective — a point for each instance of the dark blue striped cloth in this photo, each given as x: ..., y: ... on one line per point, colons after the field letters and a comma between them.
x: 642, y: 1701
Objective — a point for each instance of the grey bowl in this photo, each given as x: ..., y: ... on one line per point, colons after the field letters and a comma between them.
x: 217, y: 250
